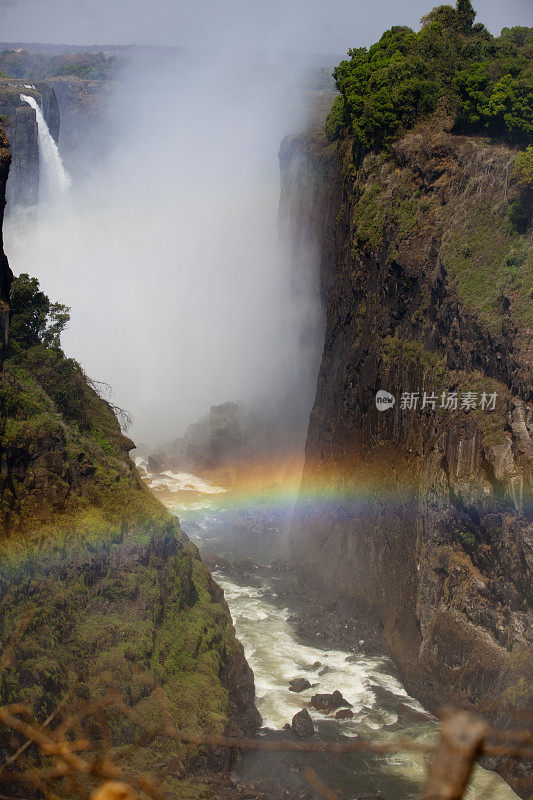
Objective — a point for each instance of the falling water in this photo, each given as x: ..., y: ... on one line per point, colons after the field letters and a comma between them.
x: 53, y: 177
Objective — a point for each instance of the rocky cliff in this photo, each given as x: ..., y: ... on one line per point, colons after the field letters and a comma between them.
x: 425, y: 520
x: 20, y: 126
x: 99, y: 586
x: 83, y: 106
x: 211, y: 443
x: 5, y: 271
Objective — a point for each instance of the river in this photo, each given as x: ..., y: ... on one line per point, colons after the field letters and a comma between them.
x: 262, y: 613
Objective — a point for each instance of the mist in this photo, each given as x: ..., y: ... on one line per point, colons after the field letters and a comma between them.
x: 167, y: 249
x: 311, y: 26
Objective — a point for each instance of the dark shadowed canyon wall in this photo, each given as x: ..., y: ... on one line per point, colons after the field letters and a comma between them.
x: 426, y: 523
x: 20, y: 126
x: 5, y: 271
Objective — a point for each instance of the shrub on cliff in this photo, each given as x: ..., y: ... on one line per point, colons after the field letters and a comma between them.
x: 399, y: 80
x: 34, y: 319
x: 523, y: 168
x: 48, y: 407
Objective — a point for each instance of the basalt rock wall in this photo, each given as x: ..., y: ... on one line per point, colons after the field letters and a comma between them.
x: 20, y: 126
x: 5, y: 271
x: 425, y: 526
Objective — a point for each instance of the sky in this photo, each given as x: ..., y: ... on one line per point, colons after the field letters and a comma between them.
x: 321, y: 26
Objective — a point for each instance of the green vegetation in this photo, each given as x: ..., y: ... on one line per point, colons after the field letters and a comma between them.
x: 404, y: 352
x: 137, y: 611
x: 396, y: 206
x: 68, y: 454
x: 34, y: 319
x: 102, y: 71
x: 523, y: 168
x: 467, y: 538
x: 39, y: 66
x: 481, y: 218
x: 112, y: 590
x: 4, y: 141
x: 488, y: 258
x: 399, y: 80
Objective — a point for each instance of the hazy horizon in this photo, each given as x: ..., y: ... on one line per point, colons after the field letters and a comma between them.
x: 304, y: 26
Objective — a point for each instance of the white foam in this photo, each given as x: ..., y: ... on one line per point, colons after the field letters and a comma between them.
x: 276, y: 656
x: 176, y: 481
x: 189, y: 482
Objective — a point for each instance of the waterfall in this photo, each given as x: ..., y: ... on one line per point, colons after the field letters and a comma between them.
x: 54, y: 180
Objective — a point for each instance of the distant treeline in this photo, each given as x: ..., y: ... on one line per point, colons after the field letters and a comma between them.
x: 39, y: 66
x: 387, y: 88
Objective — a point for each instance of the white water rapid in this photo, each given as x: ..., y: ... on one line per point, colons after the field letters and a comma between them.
x: 54, y: 180
x: 262, y: 613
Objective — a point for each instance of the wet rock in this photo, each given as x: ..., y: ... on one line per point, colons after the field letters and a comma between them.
x: 369, y: 797
x: 302, y: 724
x: 265, y: 785
x: 325, y: 670
x: 281, y: 565
x: 299, y: 685
x: 215, y: 562
x: 344, y: 713
x: 329, y: 702
x: 158, y: 463
x: 244, y: 566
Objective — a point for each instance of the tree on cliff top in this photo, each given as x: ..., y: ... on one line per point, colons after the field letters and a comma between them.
x: 400, y: 79
x: 34, y: 319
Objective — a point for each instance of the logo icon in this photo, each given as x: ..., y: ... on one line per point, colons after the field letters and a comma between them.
x: 384, y: 400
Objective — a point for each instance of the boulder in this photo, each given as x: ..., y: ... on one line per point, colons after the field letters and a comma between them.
x: 302, y: 724
x: 214, y: 561
x: 299, y: 685
x: 244, y: 566
x: 329, y: 702
x: 344, y: 713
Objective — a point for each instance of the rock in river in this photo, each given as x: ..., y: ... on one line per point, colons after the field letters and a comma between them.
x: 302, y: 724
x: 344, y: 713
x: 329, y: 702
x: 299, y: 685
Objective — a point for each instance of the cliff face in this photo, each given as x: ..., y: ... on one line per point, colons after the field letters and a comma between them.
x: 21, y: 128
x: 427, y: 527
x: 211, y: 443
x: 83, y: 105
x: 5, y: 271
